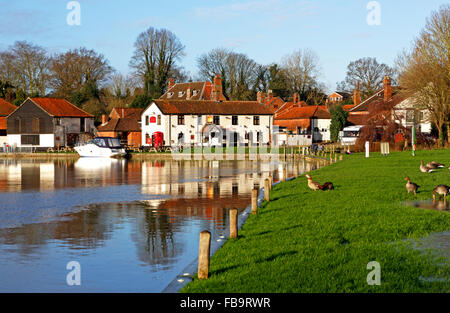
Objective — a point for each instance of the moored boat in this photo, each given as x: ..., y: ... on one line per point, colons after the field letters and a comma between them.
x: 103, y: 147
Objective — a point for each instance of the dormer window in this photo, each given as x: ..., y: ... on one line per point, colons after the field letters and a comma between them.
x: 181, y: 93
x: 169, y: 94
x: 195, y: 92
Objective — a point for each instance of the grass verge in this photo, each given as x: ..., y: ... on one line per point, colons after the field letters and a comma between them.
x: 306, y: 241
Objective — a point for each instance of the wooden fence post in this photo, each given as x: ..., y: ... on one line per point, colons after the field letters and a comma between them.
x: 267, y: 190
x: 203, y: 254
x: 255, y: 201
x: 233, y: 223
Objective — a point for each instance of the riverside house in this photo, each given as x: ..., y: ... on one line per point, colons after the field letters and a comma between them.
x: 48, y: 122
x: 6, y: 109
x: 124, y: 124
x: 178, y: 119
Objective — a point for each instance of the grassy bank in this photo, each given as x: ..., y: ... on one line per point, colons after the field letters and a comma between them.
x: 306, y: 241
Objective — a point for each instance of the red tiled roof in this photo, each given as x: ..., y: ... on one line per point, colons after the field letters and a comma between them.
x: 2, y: 122
x: 120, y: 125
x: 293, y: 124
x: 6, y: 108
x: 212, y: 107
x: 60, y: 107
x: 304, y: 112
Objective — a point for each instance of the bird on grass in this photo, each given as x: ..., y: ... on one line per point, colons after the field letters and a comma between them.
x: 411, y: 187
x: 441, y: 190
x: 425, y: 169
x: 434, y: 165
x: 316, y: 186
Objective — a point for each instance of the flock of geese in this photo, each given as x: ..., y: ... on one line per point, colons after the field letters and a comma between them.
x: 440, y: 190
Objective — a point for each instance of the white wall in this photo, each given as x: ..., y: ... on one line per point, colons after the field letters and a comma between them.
x: 192, y: 128
x: 324, y: 129
x: 45, y: 140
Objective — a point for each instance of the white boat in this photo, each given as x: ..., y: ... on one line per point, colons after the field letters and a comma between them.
x: 101, y: 147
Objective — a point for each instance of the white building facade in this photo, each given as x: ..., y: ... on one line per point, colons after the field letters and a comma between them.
x: 207, y: 123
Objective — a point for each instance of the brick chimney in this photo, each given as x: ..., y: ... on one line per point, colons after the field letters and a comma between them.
x: 269, y: 95
x: 188, y: 92
x: 357, y: 95
x: 104, y: 119
x: 295, y: 99
x: 171, y: 83
x: 217, y: 88
x: 387, y: 88
x: 261, y: 97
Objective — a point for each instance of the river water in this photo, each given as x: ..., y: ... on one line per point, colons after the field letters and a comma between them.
x: 131, y: 225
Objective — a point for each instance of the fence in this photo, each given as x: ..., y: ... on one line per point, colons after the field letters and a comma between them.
x: 9, y: 149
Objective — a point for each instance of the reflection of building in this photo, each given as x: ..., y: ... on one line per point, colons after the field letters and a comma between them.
x: 48, y: 122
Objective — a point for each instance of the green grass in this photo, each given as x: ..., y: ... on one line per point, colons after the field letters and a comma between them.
x: 306, y: 241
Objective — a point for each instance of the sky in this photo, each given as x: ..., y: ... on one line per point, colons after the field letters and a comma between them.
x: 265, y: 30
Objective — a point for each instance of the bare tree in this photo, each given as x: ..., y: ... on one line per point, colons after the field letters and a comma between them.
x: 302, y: 71
x: 154, y: 59
x: 121, y: 86
x: 239, y: 73
x: 425, y: 70
x: 26, y: 66
x: 72, y: 70
x: 369, y: 73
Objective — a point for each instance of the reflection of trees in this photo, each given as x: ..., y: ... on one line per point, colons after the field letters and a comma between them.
x: 88, y: 229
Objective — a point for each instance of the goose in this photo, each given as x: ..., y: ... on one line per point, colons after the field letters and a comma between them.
x: 441, y: 190
x: 425, y: 169
x: 434, y: 165
x: 411, y: 187
x: 316, y: 186
x: 312, y: 184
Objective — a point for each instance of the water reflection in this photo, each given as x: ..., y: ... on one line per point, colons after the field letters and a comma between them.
x: 133, y: 225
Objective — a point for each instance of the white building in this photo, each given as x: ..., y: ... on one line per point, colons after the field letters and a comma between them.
x: 406, y: 114
x: 198, y: 122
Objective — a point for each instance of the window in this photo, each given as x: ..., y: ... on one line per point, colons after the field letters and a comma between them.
x: 199, y: 120
x: 255, y: 120
x: 159, y: 120
x: 32, y: 140
x: 35, y: 125
x: 180, y: 119
x: 58, y: 121
x: 170, y: 95
x: 82, y: 125
x: 146, y: 120
x: 216, y: 119
x: 180, y: 94
x: 234, y: 120
x: 195, y: 92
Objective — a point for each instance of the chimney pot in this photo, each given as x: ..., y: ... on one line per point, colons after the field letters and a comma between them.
x: 104, y: 119
x: 387, y: 88
x: 171, y: 83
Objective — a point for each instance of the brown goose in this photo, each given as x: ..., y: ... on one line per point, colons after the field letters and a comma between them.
x: 316, y: 186
x: 441, y: 190
x: 312, y: 184
x: 411, y: 187
x: 425, y: 169
x: 434, y: 165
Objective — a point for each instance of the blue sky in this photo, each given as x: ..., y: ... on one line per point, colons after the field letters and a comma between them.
x: 265, y: 30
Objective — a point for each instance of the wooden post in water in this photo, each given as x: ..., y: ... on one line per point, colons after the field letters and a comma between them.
x: 341, y: 158
x: 267, y: 189
x: 203, y: 254
x: 233, y: 223
x: 255, y: 201
x: 335, y: 158
x: 284, y: 173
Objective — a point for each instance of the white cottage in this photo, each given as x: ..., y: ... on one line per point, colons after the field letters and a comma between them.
x: 206, y: 123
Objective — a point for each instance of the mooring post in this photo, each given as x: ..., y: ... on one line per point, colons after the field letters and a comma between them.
x: 255, y: 201
x: 267, y: 189
x: 233, y: 223
x: 203, y: 254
